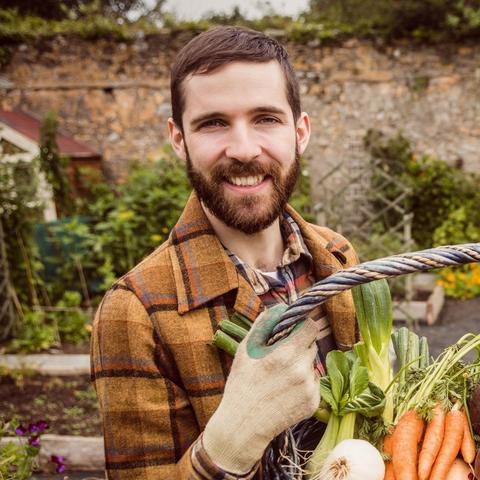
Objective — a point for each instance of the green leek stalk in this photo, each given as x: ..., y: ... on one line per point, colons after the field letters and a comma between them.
x: 373, y: 306
x: 232, y: 329
x: 325, y: 446
x: 225, y: 342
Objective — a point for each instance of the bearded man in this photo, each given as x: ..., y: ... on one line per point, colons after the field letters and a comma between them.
x: 173, y: 405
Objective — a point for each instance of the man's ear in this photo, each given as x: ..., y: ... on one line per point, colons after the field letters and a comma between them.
x: 302, y: 131
x: 176, y: 139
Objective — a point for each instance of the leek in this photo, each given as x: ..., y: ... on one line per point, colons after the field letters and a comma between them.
x: 373, y: 306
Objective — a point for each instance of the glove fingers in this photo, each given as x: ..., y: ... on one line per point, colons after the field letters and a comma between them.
x: 306, y: 334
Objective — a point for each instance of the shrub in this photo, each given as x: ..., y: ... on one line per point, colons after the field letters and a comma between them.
x: 461, y: 282
x: 426, y: 20
x: 436, y: 188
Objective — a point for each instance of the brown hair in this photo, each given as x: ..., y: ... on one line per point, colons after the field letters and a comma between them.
x: 221, y: 45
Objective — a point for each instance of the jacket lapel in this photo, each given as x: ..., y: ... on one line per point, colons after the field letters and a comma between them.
x: 202, y: 269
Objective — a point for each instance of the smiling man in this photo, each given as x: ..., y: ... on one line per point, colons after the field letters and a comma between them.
x: 173, y: 406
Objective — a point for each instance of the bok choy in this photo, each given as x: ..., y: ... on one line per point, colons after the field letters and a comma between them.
x: 348, y: 392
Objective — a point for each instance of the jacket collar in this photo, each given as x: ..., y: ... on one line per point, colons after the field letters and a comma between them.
x: 203, y: 270
x: 327, y: 258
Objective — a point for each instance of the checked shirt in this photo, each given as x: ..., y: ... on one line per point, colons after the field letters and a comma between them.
x: 157, y: 375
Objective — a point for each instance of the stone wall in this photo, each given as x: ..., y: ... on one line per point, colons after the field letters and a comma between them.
x: 115, y: 96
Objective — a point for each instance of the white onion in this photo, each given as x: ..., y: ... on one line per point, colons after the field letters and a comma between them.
x: 353, y: 460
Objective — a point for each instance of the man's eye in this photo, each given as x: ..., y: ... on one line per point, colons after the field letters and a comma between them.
x: 269, y: 120
x: 212, y: 123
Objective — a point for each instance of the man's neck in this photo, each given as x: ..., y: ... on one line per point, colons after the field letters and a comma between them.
x: 262, y: 250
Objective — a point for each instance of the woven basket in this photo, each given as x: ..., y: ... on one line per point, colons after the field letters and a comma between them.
x: 282, y: 452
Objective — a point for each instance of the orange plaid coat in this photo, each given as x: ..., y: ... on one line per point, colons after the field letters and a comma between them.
x: 158, y: 377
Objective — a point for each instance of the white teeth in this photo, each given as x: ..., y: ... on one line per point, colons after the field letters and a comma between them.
x: 246, y: 181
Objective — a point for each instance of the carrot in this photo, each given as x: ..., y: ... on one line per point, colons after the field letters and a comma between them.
x: 387, y: 449
x: 431, y: 443
x: 404, y: 449
x: 468, y: 444
x: 452, y: 441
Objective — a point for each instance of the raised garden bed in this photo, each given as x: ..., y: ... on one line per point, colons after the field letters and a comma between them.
x: 67, y: 403
x: 426, y: 304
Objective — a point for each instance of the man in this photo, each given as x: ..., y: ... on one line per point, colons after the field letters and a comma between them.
x: 167, y: 409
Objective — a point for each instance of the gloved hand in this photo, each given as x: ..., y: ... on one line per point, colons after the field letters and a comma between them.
x: 269, y: 389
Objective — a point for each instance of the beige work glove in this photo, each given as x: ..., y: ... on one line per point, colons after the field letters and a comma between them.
x: 269, y: 389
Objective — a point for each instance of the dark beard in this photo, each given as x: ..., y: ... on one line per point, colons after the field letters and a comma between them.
x: 244, y: 214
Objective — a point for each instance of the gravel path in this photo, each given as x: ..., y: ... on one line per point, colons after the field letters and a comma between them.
x: 457, y: 318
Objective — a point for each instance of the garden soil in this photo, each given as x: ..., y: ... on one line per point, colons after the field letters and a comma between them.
x: 68, y: 404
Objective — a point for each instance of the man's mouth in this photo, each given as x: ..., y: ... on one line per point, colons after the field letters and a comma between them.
x: 247, y: 184
x: 246, y: 181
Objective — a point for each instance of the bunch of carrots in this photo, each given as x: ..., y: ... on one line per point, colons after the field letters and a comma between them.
x: 416, y: 455
x: 439, y: 392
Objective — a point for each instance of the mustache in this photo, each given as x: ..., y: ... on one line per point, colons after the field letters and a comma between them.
x: 234, y: 169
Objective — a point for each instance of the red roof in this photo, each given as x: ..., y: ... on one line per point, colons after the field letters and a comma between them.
x: 30, y: 127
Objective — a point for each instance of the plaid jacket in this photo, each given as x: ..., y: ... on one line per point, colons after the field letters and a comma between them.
x: 157, y: 376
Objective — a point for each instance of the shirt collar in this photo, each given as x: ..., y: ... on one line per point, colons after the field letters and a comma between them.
x: 295, y: 248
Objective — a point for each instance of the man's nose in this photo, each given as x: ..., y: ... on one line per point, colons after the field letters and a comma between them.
x: 242, y: 144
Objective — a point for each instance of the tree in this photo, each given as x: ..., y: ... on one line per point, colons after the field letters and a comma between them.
x: 122, y: 10
x: 450, y: 18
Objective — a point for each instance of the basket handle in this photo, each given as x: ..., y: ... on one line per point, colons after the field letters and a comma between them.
x: 392, y: 266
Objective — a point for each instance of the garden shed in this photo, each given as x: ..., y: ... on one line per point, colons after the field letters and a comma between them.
x: 20, y: 140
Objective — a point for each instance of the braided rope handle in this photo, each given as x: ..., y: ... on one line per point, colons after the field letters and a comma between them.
x: 387, y: 267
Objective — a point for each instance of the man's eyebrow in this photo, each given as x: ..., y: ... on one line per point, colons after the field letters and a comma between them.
x: 269, y: 109
x: 262, y: 109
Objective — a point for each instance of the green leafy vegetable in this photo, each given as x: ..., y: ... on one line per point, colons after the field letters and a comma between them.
x: 347, y: 391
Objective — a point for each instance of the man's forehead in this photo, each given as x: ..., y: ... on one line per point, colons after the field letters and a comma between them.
x: 247, y: 83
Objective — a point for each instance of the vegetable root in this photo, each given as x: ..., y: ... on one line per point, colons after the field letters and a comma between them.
x: 468, y: 444
x: 452, y: 441
x: 406, y: 436
x: 387, y: 449
x: 431, y: 443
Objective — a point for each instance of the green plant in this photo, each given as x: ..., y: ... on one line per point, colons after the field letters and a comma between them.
x: 42, y: 329
x: 5, y: 56
x: 72, y: 258
x: 132, y: 223
x: 36, y: 333
x: 20, y: 209
x: 301, y: 198
x: 17, y: 374
x: 74, y: 411
x: 436, y: 189
x: 461, y: 282
x: 430, y: 20
x: 462, y: 225
x: 54, y: 165
x: 18, y: 459
x: 71, y: 320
